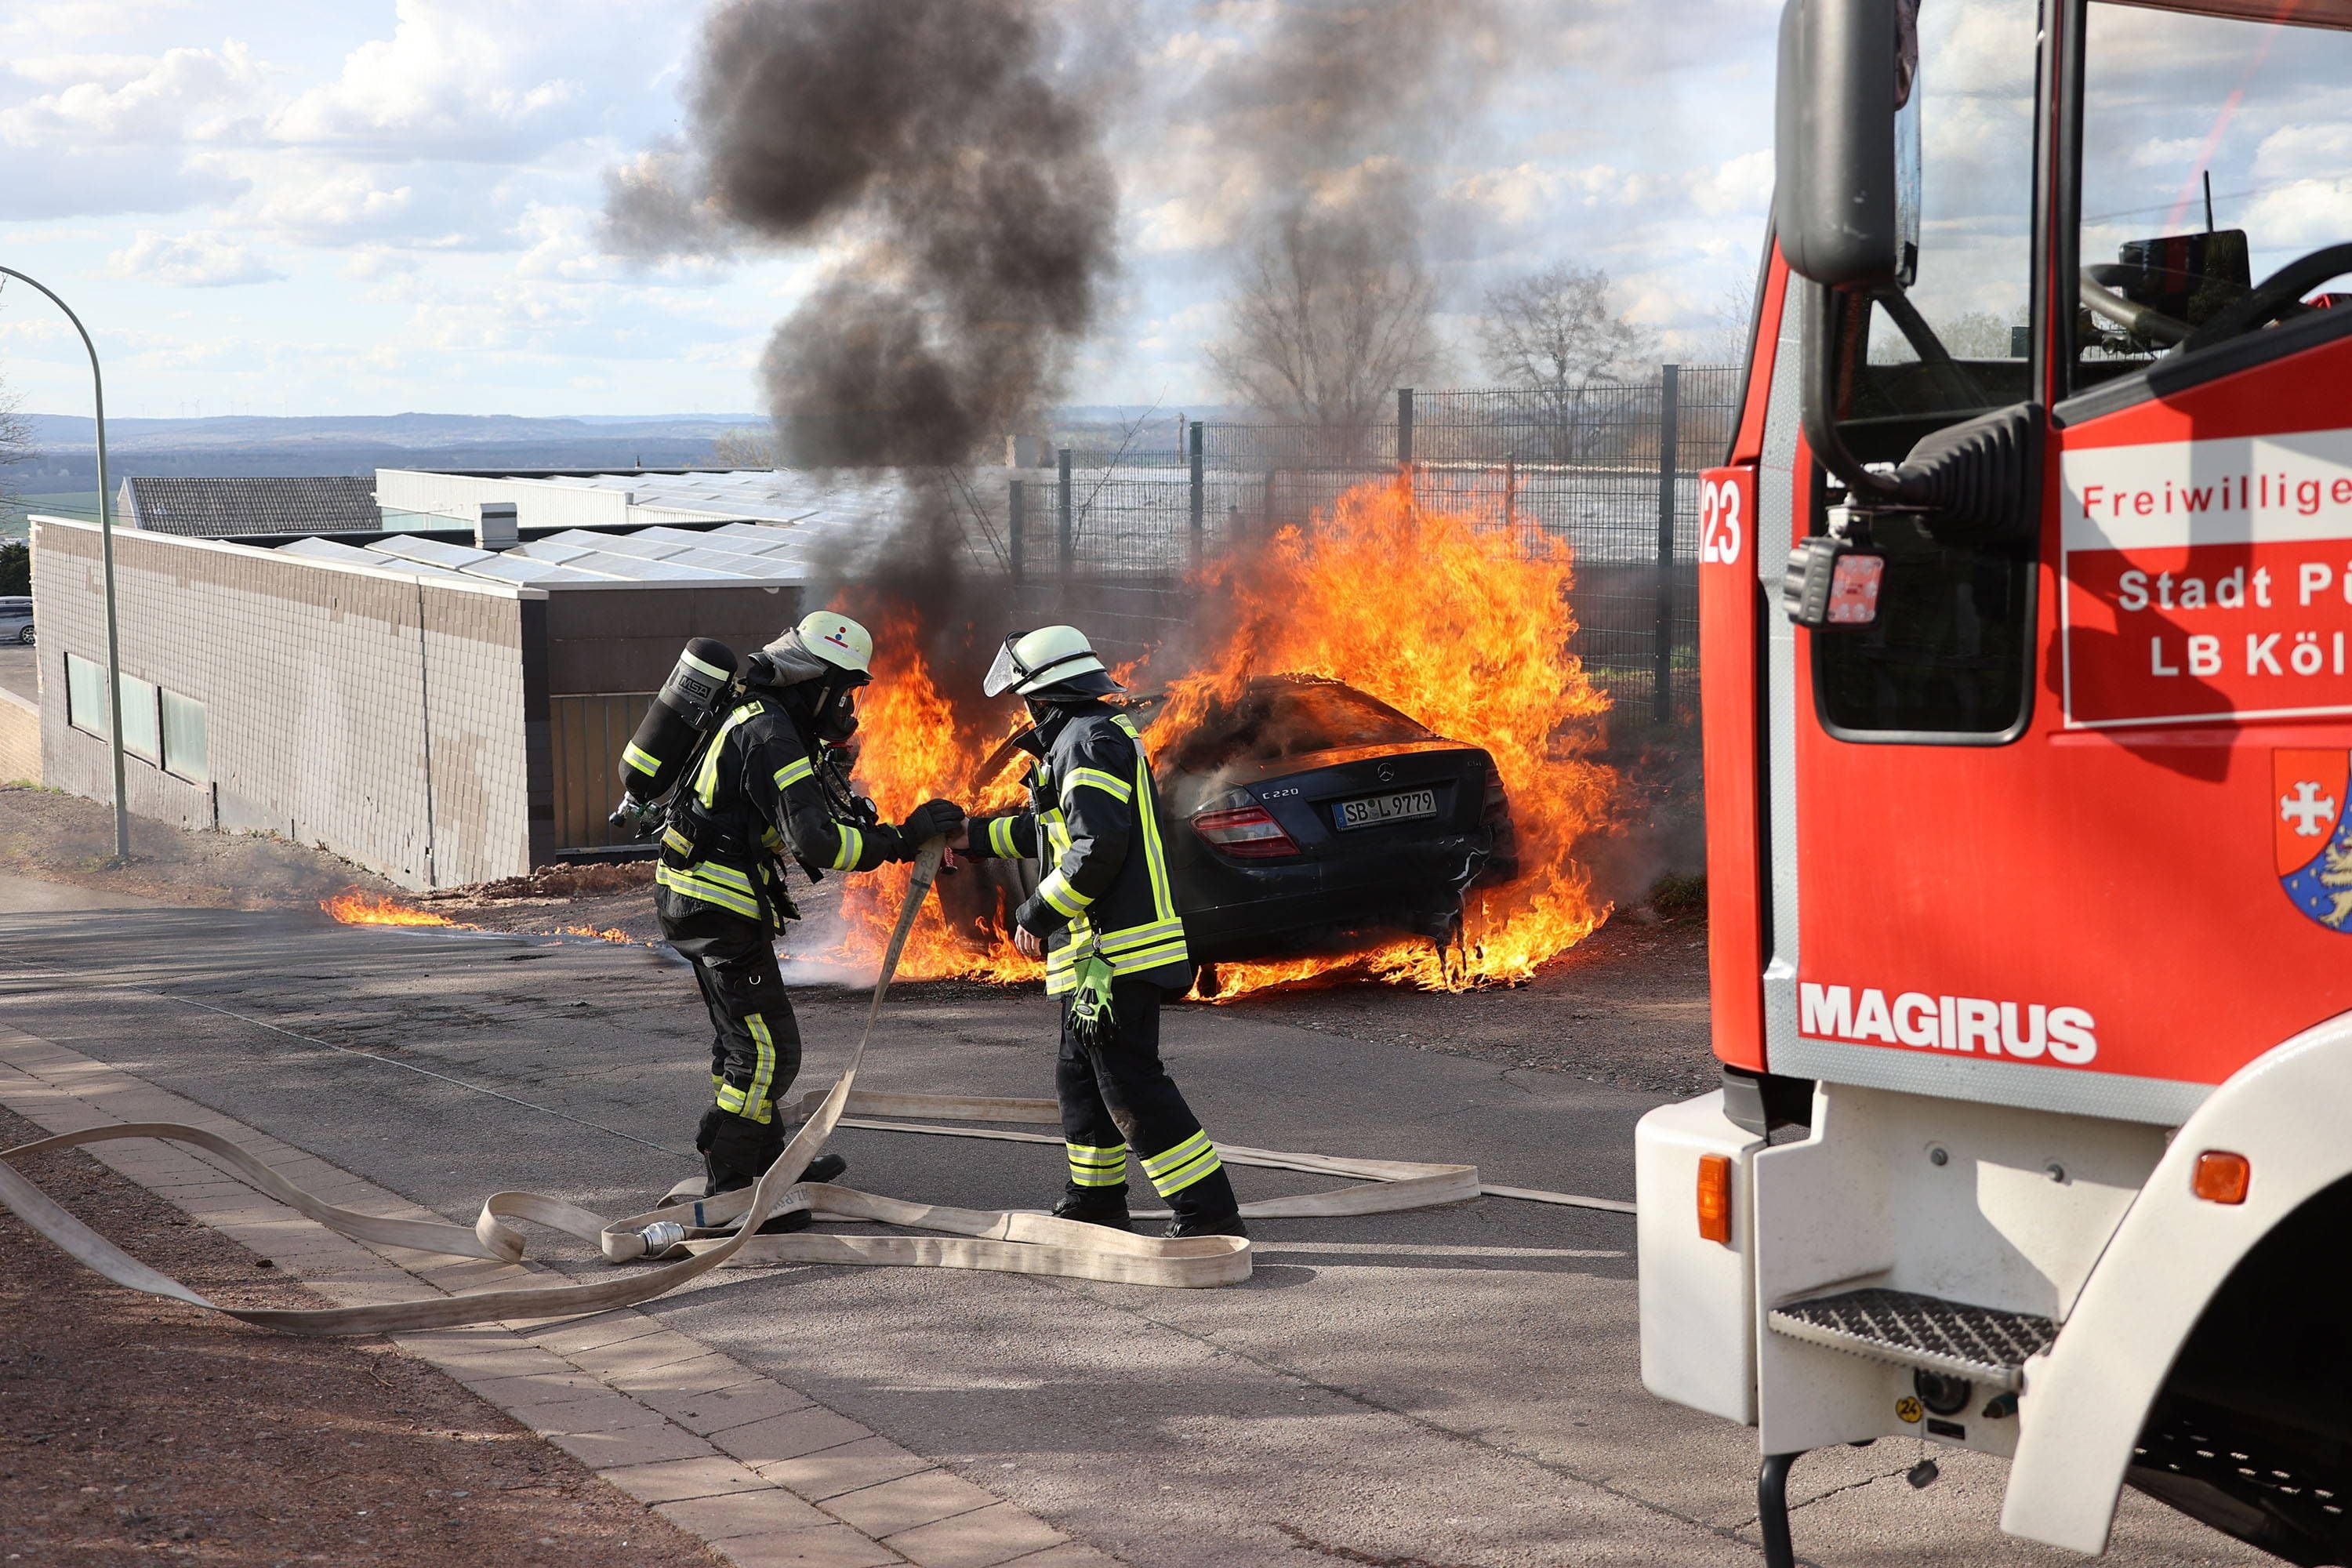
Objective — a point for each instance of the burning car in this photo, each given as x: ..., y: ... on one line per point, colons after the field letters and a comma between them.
x: 1304, y: 816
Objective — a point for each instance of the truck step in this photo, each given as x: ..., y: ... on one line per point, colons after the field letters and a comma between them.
x: 1984, y: 1344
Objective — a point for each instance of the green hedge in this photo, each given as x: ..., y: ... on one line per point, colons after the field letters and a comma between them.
x: 16, y: 569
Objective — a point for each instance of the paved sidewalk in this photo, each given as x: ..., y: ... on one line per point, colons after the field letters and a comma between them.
x: 766, y: 1475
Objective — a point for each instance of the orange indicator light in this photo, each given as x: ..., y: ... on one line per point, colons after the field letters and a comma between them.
x: 1715, y: 1198
x: 2221, y: 1177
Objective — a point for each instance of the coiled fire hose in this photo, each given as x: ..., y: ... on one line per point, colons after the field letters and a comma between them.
x: 692, y: 1236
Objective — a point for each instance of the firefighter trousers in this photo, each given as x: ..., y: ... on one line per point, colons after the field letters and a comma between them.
x: 1117, y: 1100
x: 755, y: 1048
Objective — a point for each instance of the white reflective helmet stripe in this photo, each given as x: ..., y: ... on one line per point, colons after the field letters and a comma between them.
x: 837, y: 640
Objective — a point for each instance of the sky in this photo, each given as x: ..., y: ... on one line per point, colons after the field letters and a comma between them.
x: 376, y: 208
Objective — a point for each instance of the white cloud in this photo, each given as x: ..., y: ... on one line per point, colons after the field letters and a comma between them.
x: 189, y: 260
x: 476, y: 80
x: 1741, y: 184
x: 325, y: 203
x: 183, y: 95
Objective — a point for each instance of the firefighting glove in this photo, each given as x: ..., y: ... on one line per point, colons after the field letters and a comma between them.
x: 932, y: 819
x: 1090, y: 1006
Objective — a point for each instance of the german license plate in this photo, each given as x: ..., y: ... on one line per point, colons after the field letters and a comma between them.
x: 1402, y: 806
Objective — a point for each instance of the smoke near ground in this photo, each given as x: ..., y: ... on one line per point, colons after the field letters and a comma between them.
x: 938, y: 144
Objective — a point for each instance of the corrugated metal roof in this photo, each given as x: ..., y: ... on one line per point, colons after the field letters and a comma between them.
x: 774, y: 525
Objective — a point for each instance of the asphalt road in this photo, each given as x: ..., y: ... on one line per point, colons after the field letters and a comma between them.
x: 1433, y: 1390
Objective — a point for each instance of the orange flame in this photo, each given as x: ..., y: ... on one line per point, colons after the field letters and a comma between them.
x: 1443, y: 615
x: 922, y: 752
x: 606, y: 933
x: 355, y: 908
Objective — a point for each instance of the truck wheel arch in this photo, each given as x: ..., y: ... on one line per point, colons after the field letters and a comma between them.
x: 2089, y: 1396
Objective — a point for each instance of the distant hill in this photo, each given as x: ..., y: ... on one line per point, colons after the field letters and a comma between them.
x: 230, y: 446
x: 358, y: 444
x: 410, y: 432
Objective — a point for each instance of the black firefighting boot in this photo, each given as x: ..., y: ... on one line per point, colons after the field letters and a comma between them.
x: 1206, y: 1207
x: 1185, y: 1224
x: 738, y: 1150
x: 1105, y: 1206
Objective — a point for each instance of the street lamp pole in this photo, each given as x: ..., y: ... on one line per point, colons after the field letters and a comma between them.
x: 106, y: 553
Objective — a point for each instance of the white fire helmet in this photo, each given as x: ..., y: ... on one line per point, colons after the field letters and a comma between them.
x: 1046, y: 658
x: 838, y: 640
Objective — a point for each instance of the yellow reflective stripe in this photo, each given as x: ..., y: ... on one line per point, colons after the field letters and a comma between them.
x: 740, y: 900
x: 1163, y: 903
x: 794, y: 772
x: 1093, y: 1167
x: 1110, y: 784
x: 852, y: 844
x: 678, y: 841
x: 729, y: 1097
x: 1184, y: 1175
x: 1055, y: 889
x: 1168, y: 1158
x: 645, y: 762
x: 1150, y: 958
x: 725, y: 875
x: 764, y: 1075
x: 706, y: 782
x: 1141, y: 936
x: 770, y: 839
x: 1000, y: 839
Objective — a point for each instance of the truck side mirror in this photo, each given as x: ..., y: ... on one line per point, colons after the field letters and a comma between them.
x: 1845, y: 203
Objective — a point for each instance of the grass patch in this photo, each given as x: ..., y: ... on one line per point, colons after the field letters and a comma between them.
x: 1678, y: 898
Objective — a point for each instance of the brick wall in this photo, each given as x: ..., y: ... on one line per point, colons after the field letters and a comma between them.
x: 20, y: 739
x: 379, y: 718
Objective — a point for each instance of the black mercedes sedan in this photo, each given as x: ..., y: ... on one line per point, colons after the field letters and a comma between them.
x: 1303, y: 817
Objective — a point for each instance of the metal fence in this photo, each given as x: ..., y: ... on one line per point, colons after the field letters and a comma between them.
x: 1610, y: 467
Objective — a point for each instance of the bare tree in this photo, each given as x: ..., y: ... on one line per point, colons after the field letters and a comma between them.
x: 750, y: 448
x: 1728, y: 328
x: 16, y: 439
x: 1555, y: 329
x: 1330, y: 314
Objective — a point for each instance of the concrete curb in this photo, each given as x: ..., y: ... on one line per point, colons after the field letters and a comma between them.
x: 762, y: 1473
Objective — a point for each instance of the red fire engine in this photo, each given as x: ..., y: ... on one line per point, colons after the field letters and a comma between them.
x: 2026, y: 624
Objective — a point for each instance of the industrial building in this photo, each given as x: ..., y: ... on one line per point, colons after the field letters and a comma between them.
x: 442, y: 696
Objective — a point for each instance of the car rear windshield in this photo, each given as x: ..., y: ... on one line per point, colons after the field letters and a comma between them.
x: 1274, y: 721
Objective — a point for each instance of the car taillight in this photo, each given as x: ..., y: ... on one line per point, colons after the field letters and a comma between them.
x: 1250, y: 833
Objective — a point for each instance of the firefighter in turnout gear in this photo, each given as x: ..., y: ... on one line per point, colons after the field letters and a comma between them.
x: 1104, y: 916
x: 759, y: 792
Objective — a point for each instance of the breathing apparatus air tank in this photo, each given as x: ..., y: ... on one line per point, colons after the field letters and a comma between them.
x: 686, y: 710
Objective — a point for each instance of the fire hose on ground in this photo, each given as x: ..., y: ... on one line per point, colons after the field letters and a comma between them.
x: 691, y: 1236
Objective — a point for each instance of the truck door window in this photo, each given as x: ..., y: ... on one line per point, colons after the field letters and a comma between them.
x: 1950, y: 656
x: 2216, y: 195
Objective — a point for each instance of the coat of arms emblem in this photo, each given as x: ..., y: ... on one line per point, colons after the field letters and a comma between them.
x: 2312, y: 818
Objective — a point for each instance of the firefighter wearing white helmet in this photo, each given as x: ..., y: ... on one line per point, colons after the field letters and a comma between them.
x: 1104, y: 916
x: 760, y: 791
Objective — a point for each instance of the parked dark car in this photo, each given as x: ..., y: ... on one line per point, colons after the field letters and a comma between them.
x: 1304, y: 816
x: 16, y: 619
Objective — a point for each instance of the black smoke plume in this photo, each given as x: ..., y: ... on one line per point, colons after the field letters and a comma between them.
x: 940, y: 139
